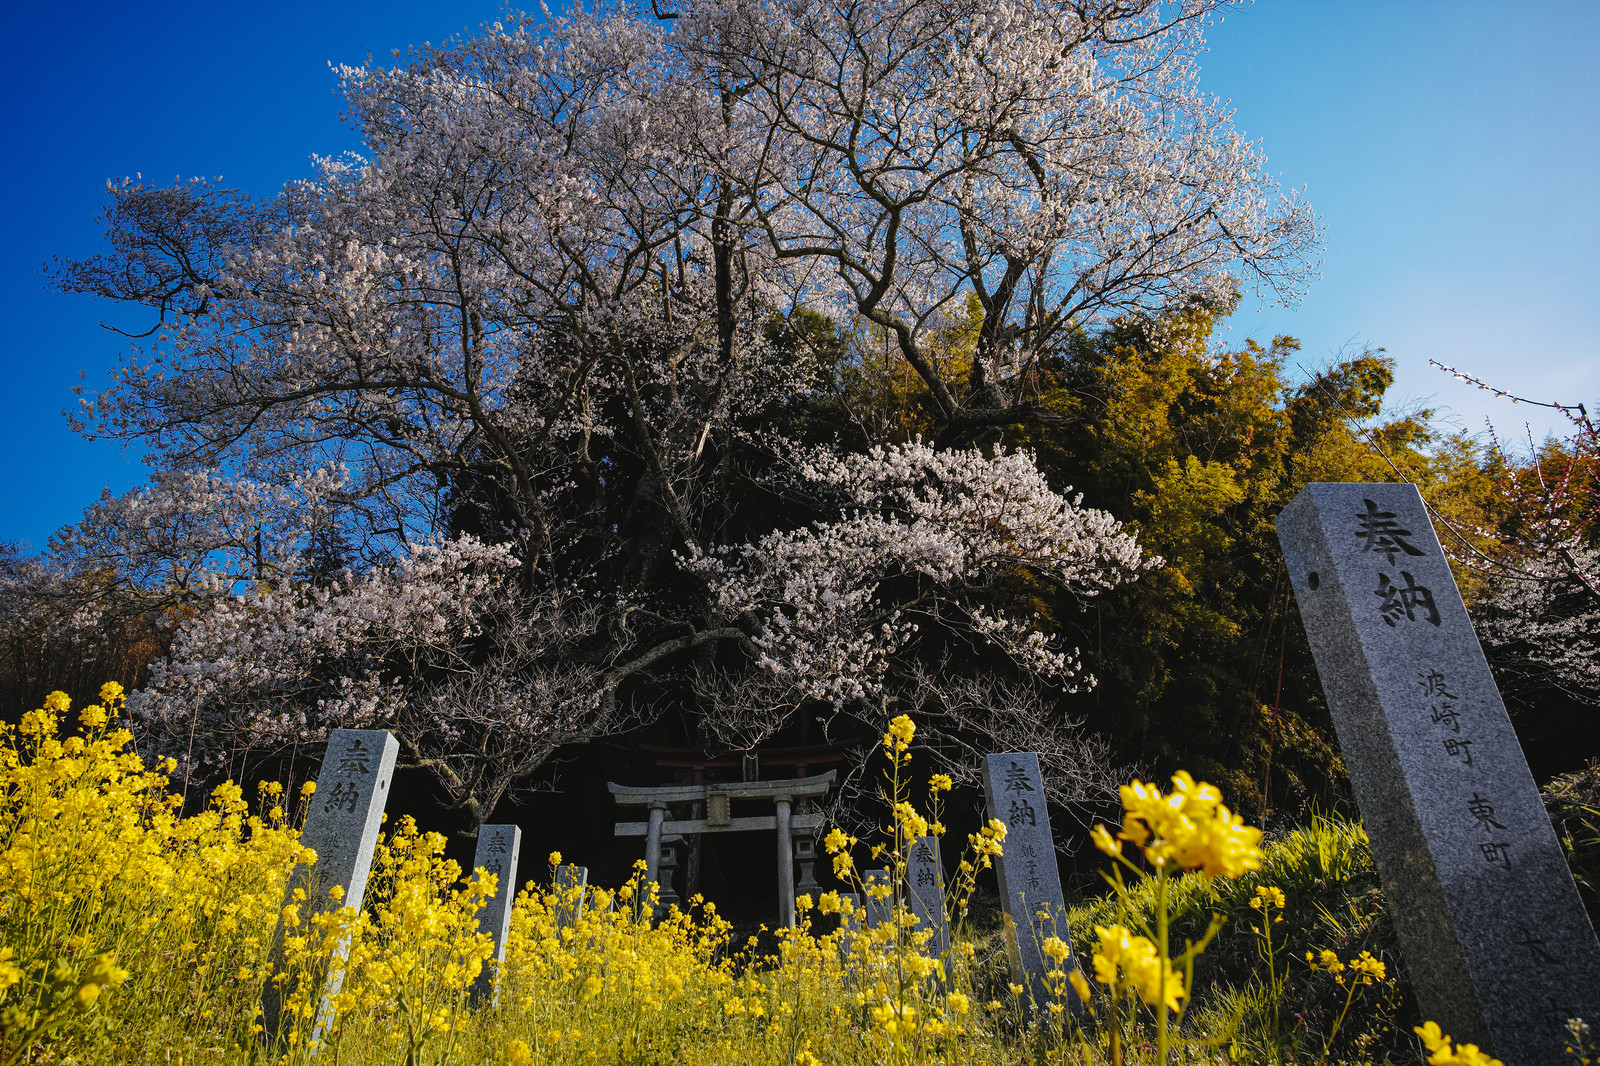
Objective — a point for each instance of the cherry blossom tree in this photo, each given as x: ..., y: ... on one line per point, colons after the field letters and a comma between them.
x: 535, y: 354
x: 1540, y: 614
x: 1057, y: 161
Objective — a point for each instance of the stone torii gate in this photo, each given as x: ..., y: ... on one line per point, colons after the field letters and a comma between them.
x: 718, y: 797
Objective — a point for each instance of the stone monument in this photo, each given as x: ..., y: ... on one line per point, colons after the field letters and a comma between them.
x: 879, y: 907
x: 572, y: 891
x: 1029, y: 883
x: 342, y: 820
x: 925, y: 894
x: 1494, y: 936
x: 499, y: 847
x: 667, y: 875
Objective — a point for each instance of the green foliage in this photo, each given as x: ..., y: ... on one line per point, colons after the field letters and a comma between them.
x: 57, y: 997
x: 1333, y: 903
x: 870, y: 394
x: 1202, y: 663
x: 1573, y: 803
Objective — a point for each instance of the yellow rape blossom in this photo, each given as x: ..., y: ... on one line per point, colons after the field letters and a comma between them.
x: 10, y: 972
x: 1442, y: 1053
x: 1189, y: 827
x: 1267, y: 897
x: 1325, y: 960
x: 898, y: 737
x: 910, y: 822
x: 191, y: 902
x: 1369, y: 968
x: 1103, y: 840
x: 1132, y: 961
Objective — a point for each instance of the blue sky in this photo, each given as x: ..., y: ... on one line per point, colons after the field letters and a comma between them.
x: 1451, y: 149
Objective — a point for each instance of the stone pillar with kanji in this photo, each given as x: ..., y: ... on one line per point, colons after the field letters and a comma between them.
x: 1030, y: 885
x: 1494, y: 936
x: 343, y: 818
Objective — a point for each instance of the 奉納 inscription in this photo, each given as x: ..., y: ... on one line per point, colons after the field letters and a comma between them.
x: 356, y: 759
x: 343, y: 796
x: 1381, y: 533
x: 925, y: 893
x: 1405, y: 602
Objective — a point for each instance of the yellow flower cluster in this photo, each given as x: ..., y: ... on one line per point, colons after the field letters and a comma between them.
x: 593, y: 977
x: 104, y: 884
x: 838, y: 844
x: 131, y: 931
x: 1188, y: 827
x: 833, y: 903
x: 1442, y: 1053
x: 414, y: 951
x: 1369, y: 968
x: 10, y: 972
x: 1364, y: 969
x: 898, y: 738
x: 989, y: 841
x: 1268, y: 897
x: 103, y: 972
x: 910, y: 822
x: 1124, y: 960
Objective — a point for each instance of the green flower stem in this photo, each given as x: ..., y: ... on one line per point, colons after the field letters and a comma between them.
x: 1166, y: 962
